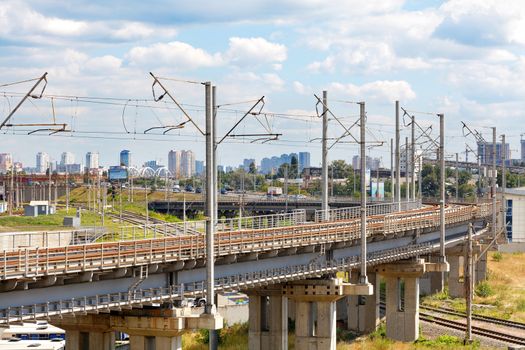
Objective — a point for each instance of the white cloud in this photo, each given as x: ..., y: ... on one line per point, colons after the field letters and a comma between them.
x: 178, y: 55
x: 382, y: 91
x: 367, y: 56
x: 253, y: 51
x: 21, y: 22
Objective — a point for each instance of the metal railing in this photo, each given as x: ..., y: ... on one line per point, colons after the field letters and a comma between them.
x: 34, y: 262
x: 355, y: 212
x: 174, y: 293
x: 293, y: 218
x: 135, y: 232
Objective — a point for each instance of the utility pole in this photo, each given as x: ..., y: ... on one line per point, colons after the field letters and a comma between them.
x: 324, y: 185
x: 392, y: 181
x: 49, y: 186
x: 210, y: 213
x: 442, y: 191
x: 398, y: 161
x: 67, y: 192
x: 286, y: 189
x: 120, y: 201
x: 468, y: 286
x: 413, y: 158
x: 457, y: 176
x: 363, y: 279
x: 11, y: 187
x: 407, y: 181
x: 504, y: 181
x: 494, y: 214
x: 215, y: 175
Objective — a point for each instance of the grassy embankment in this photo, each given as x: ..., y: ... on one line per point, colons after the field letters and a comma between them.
x: 502, y: 295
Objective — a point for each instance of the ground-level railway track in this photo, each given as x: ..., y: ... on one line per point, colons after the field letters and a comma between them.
x: 476, y: 317
x: 460, y: 326
x: 489, y: 333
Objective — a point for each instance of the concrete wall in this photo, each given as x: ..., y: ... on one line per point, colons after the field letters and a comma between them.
x: 512, y: 247
x: 234, y: 313
x: 15, y: 240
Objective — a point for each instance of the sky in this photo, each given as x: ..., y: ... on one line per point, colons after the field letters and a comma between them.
x: 463, y: 58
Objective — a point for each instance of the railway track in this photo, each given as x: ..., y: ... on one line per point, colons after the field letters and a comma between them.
x: 489, y: 333
x: 460, y: 326
x: 489, y: 319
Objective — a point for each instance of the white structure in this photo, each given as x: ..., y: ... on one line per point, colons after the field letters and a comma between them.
x: 174, y: 162
x: 181, y: 163
x: 403, y: 160
x: 6, y: 162
x: 42, y: 162
x: 187, y: 160
x: 92, y: 160
x: 371, y: 163
x: 67, y: 158
x: 515, y: 215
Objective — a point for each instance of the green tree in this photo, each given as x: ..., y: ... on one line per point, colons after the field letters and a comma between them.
x: 253, y: 168
x: 341, y: 170
x: 294, y: 168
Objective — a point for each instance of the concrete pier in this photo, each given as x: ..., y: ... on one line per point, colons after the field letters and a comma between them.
x: 363, y: 311
x: 268, y: 322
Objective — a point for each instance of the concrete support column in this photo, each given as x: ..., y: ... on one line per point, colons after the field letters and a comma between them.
x: 315, y: 325
x: 431, y: 283
x: 137, y: 342
x: 456, y: 289
x: 168, y: 343
x: 363, y: 311
x: 73, y: 340
x: 101, y: 340
x: 402, y: 318
x: 268, y: 322
x: 481, y: 269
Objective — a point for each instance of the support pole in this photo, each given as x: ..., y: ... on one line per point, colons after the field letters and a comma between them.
x: 494, y: 213
x: 407, y: 181
x: 215, y: 189
x: 362, y: 141
x: 504, y: 181
x: 210, y: 210
x: 457, y: 177
x: 398, y: 161
x: 324, y: 165
x: 392, y: 181
x: 468, y: 286
x: 413, y: 159
x: 442, y: 188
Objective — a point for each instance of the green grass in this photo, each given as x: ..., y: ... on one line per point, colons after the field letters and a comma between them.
x: 50, y: 222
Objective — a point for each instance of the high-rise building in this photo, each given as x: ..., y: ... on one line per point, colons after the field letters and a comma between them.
x: 199, y: 167
x: 67, y: 158
x: 174, y: 163
x: 6, y: 162
x: 42, y: 162
x: 304, y: 161
x: 125, y: 158
x: 371, y: 163
x: 92, y: 160
x: 187, y: 164
x: 522, y: 150
x: 485, y: 152
x: 247, y: 162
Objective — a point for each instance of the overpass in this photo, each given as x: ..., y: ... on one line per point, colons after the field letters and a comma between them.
x: 137, y: 282
x: 229, y: 206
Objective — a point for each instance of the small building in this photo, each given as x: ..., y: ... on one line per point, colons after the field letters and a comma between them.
x: 36, y: 208
x: 514, y: 216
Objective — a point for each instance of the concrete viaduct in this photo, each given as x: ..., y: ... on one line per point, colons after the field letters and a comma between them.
x: 287, y: 265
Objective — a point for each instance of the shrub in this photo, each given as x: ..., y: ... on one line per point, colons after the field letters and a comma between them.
x: 497, y: 256
x: 483, y: 289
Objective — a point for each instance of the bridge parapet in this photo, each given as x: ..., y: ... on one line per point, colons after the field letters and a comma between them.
x: 35, y: 262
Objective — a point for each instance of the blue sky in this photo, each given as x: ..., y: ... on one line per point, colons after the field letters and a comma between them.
x: 464, y: 58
